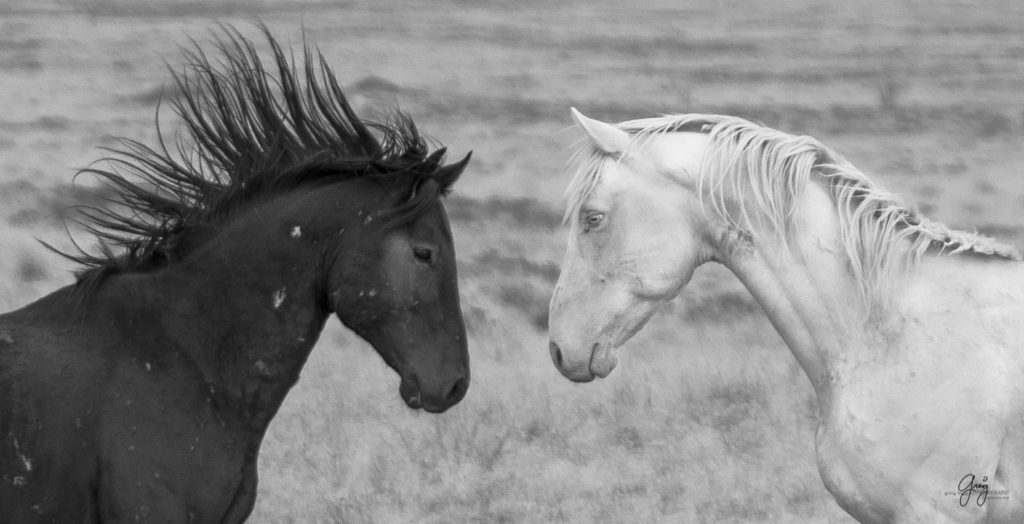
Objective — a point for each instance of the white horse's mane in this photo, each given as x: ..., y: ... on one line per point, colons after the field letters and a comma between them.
x: 761, y: 173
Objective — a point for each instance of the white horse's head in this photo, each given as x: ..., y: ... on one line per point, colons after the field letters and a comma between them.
x: 652, y: 199
x: 637, y: 232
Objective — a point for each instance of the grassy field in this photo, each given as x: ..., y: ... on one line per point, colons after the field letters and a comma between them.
x: 707, y: 418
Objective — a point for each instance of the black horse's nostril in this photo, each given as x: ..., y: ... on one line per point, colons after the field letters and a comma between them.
x: 556, y: 354
x: 458, y: 390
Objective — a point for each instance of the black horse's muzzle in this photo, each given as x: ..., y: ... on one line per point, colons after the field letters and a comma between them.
x: 433, y: 399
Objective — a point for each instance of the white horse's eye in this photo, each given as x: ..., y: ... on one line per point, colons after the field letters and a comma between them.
x: 592, y: 220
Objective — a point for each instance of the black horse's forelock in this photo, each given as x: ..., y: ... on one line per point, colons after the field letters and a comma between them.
x: 248, y: 132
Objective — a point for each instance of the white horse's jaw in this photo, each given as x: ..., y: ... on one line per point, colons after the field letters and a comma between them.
x: 603, y: 360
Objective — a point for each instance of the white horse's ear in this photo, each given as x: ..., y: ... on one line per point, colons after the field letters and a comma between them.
x: 605, y: 136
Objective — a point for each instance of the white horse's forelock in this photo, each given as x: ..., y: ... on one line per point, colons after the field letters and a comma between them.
x: 761, y: 173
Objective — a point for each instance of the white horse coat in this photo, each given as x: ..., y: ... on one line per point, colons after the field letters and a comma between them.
x: 912, y: 334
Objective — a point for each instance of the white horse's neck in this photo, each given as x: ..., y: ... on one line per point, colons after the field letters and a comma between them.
x: 814, y: 302
x: 806, y: 290
x: 912, y: 398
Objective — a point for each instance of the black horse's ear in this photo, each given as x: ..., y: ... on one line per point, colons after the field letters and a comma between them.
x: 447, y: 175
x: 434, y: 159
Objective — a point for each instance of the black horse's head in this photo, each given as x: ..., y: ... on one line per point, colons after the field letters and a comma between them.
x: 397, y: 285
x: 388, y: 261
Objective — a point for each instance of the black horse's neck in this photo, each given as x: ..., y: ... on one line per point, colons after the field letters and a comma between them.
x: 240, y: 314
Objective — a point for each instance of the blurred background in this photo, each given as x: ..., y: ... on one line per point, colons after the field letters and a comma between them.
x: 708, y: 418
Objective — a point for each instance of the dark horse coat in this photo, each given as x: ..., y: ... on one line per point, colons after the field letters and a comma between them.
x: 142, y: 392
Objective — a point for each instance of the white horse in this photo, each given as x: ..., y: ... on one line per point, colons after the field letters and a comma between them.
x: 911, y: 333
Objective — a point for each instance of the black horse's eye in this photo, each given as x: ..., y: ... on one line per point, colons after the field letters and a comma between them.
x: 423, y: 254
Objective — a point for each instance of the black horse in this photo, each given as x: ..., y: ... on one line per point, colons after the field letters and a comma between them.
x: 143, y: 391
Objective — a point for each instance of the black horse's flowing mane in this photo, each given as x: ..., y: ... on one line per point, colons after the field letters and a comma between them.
x: 248, y: 132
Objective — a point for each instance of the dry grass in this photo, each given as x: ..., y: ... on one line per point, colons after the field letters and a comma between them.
x: 708, y: 418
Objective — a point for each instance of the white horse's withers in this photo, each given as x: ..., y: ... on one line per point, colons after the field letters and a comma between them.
x: 912, y: 334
